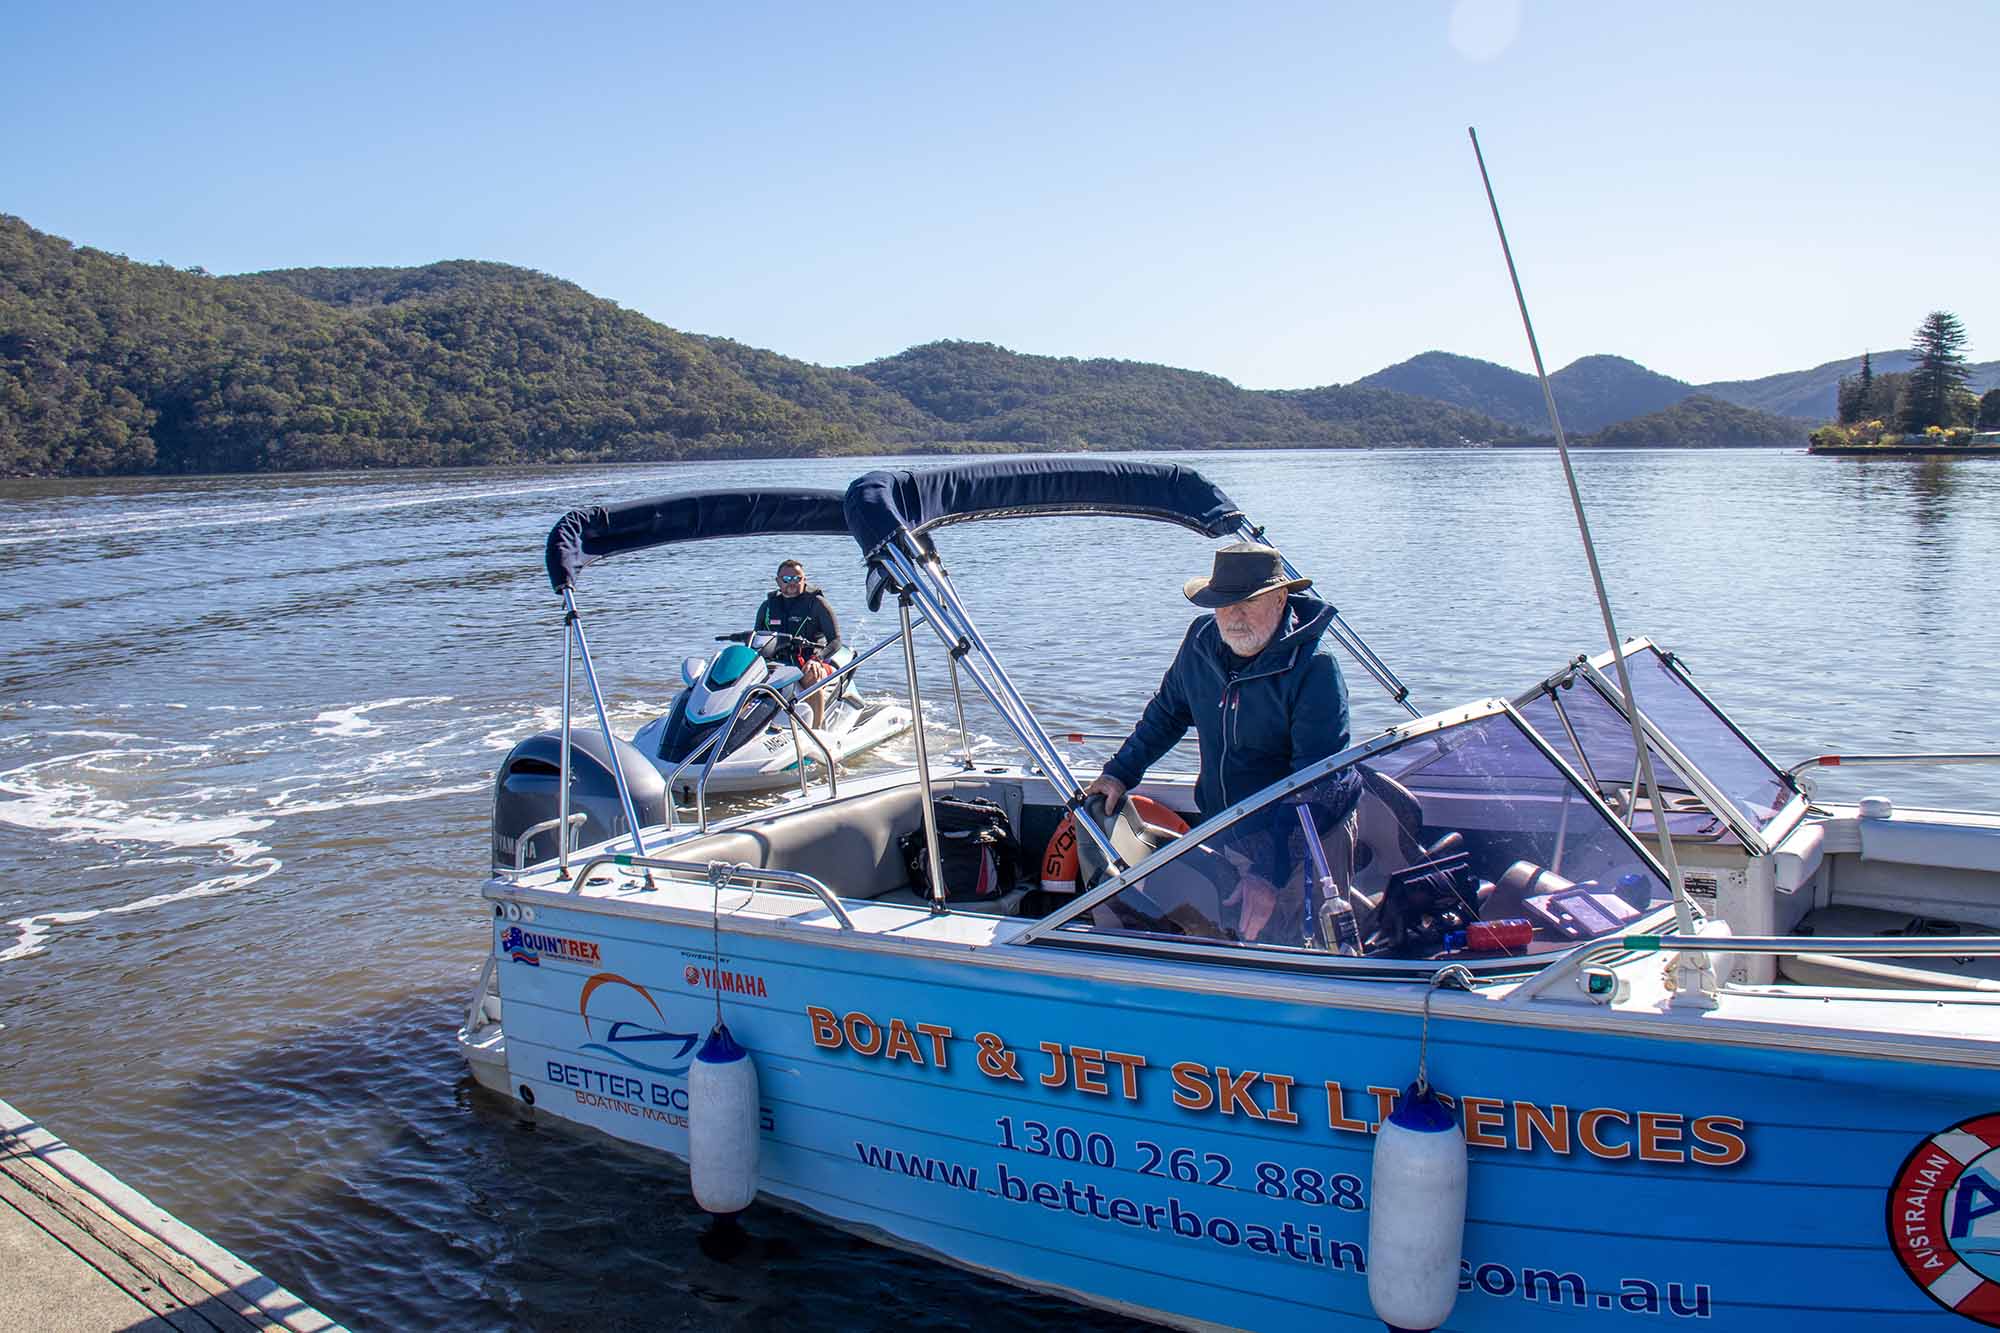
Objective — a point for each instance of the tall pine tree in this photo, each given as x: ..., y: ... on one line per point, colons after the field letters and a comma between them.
x: 1939, y: 375
x: 1852, y: 399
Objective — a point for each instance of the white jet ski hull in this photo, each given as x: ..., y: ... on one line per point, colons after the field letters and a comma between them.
x: 768, y: 761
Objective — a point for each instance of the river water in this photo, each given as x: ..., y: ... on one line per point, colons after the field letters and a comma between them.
x: 247, y: 727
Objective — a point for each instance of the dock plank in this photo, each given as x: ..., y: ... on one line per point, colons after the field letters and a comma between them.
x: 81, y: 1250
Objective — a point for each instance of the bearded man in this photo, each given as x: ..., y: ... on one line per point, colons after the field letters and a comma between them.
x: 1260, y: 689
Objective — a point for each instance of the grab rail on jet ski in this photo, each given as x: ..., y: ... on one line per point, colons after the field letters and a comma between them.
x: 789, y: 708
x: 720, y: 873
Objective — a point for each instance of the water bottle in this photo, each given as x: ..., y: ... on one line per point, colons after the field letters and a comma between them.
x: 1338, y: 925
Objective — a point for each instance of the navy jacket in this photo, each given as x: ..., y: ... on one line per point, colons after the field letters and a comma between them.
x: 806, y: 614
x: 1285, y: 709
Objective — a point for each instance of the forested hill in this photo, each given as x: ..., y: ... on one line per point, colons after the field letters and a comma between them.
x: 1591, y: 393
x: 983, y: 392
x: 1708, y: 421
x: 111, y: 366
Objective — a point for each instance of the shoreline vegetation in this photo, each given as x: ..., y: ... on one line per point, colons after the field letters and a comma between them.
x: 111, y: 367
x: 1929, y: 409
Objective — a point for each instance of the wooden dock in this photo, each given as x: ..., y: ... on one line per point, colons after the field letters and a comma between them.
x: 81, y: 1252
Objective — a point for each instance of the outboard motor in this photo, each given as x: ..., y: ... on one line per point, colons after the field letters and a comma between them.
x: 528, y: 792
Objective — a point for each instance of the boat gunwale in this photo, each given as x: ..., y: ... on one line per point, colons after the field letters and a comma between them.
x: 1327, y: 991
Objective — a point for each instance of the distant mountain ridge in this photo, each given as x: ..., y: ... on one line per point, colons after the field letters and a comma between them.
x: 1591, y: 393
x: 1814, y: 394
x: 1599, y: 391
x: 979, y: 391
x: 109, y: 366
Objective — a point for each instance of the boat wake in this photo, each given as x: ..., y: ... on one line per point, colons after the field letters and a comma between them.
x: 190, y: 816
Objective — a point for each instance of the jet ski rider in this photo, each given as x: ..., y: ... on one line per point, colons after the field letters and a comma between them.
x: 801, y: 610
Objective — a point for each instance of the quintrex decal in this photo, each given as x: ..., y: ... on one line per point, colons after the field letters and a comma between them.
x: 528, y: 946
x: 1944, y: 1218
x: 633, y: 1041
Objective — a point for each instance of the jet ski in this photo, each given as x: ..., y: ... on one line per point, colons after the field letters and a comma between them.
x: 759, y: 754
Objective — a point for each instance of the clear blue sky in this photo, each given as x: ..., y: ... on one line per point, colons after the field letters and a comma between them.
x: 1279, y: 193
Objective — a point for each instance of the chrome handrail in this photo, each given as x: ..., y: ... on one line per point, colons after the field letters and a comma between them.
x: 479, y: 989
x: 1841, y: 760
x: 707, y: 744
x: 1578, y: 960
x: 1893, y: 946
x: 727, y: 872
x: 798, y: 751
x: 563, y: 845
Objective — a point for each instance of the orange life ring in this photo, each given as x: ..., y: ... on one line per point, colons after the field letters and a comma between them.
x: 1059, y: 861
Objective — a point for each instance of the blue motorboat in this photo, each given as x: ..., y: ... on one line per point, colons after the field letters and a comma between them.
x: 1719, y: 1055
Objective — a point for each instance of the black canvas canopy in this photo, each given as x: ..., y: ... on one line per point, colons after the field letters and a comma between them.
x: 881, y: 504
x: 588, y: 535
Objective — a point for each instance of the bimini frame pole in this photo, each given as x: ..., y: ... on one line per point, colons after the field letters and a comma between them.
x: 575, y: 621
x: 562, y: 807
x: 958, y: 701
x: 923, y: 753
x: 1683, y: 909
x: 1356, y: 646
x: 953, y: 624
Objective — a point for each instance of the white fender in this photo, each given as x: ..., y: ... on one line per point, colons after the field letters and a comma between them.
x: 723, y: 1137
x: 1416, y: 1213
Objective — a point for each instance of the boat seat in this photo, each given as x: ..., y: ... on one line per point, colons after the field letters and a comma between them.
x: 1936, y: 972
x: 849, y: 844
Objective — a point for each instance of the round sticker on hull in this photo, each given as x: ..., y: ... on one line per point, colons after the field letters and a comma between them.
x: 1944, y: 1218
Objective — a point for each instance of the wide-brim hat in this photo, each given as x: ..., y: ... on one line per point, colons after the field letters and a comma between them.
x: 1241, y: 572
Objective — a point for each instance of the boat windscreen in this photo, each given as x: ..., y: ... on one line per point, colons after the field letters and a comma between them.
x: 1605, y: 760
x: 584, y: 536
x: 1595, y: 718
x: 1468, y: 843
x: 1736, y: 767
x: 881, y: 504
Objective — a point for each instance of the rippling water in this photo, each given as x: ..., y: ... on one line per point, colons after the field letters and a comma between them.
x: 247, y: 727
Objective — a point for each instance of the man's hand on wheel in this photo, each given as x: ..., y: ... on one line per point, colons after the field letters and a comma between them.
x: 1110, y: 788
x: 1255, y: 899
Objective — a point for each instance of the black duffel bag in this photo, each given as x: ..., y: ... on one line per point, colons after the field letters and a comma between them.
x: 976, y: 844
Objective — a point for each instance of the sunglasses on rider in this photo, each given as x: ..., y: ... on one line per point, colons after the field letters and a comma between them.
x: 791, y: 578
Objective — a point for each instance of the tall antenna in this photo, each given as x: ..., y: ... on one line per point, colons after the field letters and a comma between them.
x: 1683, y: 910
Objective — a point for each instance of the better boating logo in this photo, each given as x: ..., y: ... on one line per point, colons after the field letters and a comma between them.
x: 1944, y: 1218
x: 632, y: 1040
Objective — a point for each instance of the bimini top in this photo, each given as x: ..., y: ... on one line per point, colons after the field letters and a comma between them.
x: 882, y: 504
x: 588, y: 535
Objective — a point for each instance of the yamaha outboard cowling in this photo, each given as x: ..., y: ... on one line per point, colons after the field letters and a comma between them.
x: 528, y: 791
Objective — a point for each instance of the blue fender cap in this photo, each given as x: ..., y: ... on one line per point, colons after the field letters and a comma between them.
x: 721, y: 1047
x: 1419, y: 1111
